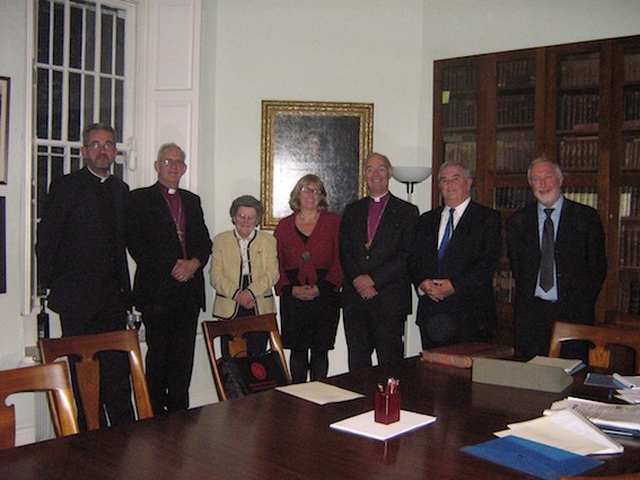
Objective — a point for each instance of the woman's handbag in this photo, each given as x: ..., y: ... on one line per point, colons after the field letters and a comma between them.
x: 243, y: 376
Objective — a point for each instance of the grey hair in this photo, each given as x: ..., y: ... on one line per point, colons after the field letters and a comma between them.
x: 544, y: 159
x: 170, y: 146
x: 249, y: 202
x: 455, y: 163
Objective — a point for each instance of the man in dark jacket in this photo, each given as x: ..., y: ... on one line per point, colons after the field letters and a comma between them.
x: 168, y: 239
x: 578, y: 263
x: 82, y: 260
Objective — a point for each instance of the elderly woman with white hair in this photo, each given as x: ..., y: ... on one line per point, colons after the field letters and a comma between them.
x: 244, y: 270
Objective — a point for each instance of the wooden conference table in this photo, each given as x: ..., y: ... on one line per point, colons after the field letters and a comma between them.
x: 272, y: 435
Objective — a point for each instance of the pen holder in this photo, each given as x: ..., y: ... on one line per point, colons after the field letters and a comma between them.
x: 387, y: 407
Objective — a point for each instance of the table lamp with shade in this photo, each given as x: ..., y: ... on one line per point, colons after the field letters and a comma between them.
x: 410, y: 176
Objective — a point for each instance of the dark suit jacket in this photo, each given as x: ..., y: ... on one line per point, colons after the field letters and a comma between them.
x: 154, y: 245
x: 74, y: 249
x: 386, y: 259
x: 469, y: 263
x: 580, y: 258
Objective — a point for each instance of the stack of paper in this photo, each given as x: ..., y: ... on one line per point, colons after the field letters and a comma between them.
x: 565, y: 429
x: 611, y: 418
x: 364, y: 424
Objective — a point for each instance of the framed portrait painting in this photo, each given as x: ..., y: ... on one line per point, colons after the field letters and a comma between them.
x: 330, y: 140
x: 4, y: 128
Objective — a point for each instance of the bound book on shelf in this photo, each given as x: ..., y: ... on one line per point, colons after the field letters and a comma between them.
x: 461, y: 355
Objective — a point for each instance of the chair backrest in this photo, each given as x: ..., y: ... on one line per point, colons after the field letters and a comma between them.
x: 235, y: 329
x: 45, y: 378
x: 602, y: 337
x: 85, y: 348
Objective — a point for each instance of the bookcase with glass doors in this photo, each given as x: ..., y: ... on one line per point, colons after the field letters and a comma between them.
x: 578, y: 103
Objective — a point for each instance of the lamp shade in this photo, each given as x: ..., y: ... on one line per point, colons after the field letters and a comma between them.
x: 411, y: 174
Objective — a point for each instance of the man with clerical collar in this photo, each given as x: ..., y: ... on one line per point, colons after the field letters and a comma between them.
x: 170, y: 243
x: 557, y: 254
x: 376, y: 237
x: 82, y: 261
x: 457, y: 248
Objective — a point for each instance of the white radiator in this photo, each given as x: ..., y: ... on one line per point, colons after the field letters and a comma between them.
x: 44, y: 425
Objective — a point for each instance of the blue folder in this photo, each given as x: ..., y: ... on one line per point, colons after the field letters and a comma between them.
x: 534, y: 458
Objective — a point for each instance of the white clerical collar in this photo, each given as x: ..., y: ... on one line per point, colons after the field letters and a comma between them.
x: 379, y: 198
x: 99, y: 177
x: 167, y: 190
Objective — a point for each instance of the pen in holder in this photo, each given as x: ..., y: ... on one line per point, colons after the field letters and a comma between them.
x: 387, y: 403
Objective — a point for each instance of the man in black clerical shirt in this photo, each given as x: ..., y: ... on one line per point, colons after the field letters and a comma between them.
x: 82, y: 261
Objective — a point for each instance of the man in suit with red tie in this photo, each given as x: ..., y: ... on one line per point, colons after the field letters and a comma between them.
x: 376, y: 237
x: 456, y: 251
x: 168, y: 239
x: 557, y: 255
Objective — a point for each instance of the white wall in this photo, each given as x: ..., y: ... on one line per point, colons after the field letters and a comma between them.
x: 356, y: 51
x: 379, y: 51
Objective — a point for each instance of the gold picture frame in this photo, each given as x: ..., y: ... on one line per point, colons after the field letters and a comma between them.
x: 328, y: 139
x: 4, y: 128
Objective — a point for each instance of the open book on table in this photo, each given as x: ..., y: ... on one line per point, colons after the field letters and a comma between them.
x: 566, y: 429
x: 612, y: 418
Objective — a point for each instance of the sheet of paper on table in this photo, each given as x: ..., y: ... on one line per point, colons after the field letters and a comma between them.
x: 565, y: 429
x: 319, y: 392
x: 365, y: 425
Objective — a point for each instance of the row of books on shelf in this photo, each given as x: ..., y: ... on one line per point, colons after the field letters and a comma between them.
x: 585, y: 195
x: 504, y: 286
x: 514, y: 151
x: 632, y: 67
x: 463, y: 79
x: 460, y: 112
x: 631, y: 153
x: 512, y: 197
x: 629, y: 245
x: 630, y: 297
x: 631, y: 106
x: 516, y: 73
x: 629, y: 201
x: 578, y: 112
x: 578, y: 153
x: 518, y: 197
x: 516, y: 109
x: 464, y: 152
x: 580, y: 71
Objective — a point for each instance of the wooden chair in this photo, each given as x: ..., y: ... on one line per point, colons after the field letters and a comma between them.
x: 602, y: 338
x: 85, y: 348
x: 237, y: 345
x: 49, y: 378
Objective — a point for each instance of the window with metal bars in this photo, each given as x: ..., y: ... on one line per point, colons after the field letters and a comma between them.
x: 80, y: 78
